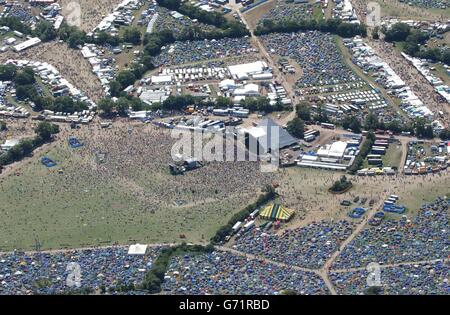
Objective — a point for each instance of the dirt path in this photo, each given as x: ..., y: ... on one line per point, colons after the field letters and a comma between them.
x: 277, y: 75
x: 410, y: 75
x: 318, y: 272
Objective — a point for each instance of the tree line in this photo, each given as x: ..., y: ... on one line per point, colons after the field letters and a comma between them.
x: 154, y: 278
x: 225, y: 230
x: 364, y: 150
x: 43, y: 133
x: 413, y: 41
x: 179, y: 103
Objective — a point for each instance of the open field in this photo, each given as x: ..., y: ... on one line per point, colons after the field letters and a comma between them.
x: 92, y: 11
x: 254, y: 15
x: 396, y: 9
x: 393, y: 156
x: 117, y: 188
x: 306, y: 191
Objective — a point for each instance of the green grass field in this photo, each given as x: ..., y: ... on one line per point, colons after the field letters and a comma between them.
x: 60, y: 211
x: 393, y: 156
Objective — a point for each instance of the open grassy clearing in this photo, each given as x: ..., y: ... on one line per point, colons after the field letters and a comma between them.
x: 396, y: 9
x: 129, y: 197
x: 306, y: 191
x: 393, y: 156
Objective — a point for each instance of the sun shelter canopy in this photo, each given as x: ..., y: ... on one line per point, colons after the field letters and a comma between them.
x: 137, y: 249
x: 276, y: 212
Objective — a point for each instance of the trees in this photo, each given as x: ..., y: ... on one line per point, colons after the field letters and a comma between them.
x: 72, y: 35
x: 445, y: 134
x: 304, y: 111
x: 371, y: 122
x: 178, y: 102
x: 351, y: 122
x: 125, y: 78
x: 3, y: 125
x: 363, y: 151
x: 15, y: 23
x: 106, y: 106
x: 223, y: 102
x: 115, y: 88
x: 321, y: 114
x: 296, y: 127
x: 132, y: 35
x: 25, y: 147
x: 423, y: 130
x: 375, y: 34
x: 397, y: 33
x: 24, y: 77
x: 260, y: 103
x: 122, y: 106
x: 66, y: 104
x: 46, y: 130
x: 45, y: 31
x: 76, y: 38
x: 7, y: 72
x: 341, y: 185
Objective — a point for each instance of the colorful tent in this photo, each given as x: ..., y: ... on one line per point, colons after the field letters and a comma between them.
x: 276, y: 212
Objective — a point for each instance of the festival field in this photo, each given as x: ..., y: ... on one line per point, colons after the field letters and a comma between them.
x: 306, y: 191
x: 117, y: 188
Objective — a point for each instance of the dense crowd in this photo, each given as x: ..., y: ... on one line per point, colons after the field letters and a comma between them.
x: 177, y: 25
x: 429, y: 4
x: 425, y: 237
x: 288, y: 10
x: 309, y: 246
x: 194, y: 51
x: 129, y: 151
x: 429, y: 279
x: 48, y: 272
x: 316, y: 53
x: 227, y: 273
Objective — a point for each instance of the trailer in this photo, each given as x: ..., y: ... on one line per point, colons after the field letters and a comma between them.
x: 249, y: 225
x: 327, y: 126
x: 237, y: 226
x: 254, y: 213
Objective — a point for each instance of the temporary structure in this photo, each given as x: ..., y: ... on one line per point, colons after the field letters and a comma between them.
x: 137, y: 249
x: 276, y: 212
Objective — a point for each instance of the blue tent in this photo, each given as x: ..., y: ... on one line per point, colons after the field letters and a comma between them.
x: 48, y: 162
x: 74, y: 143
